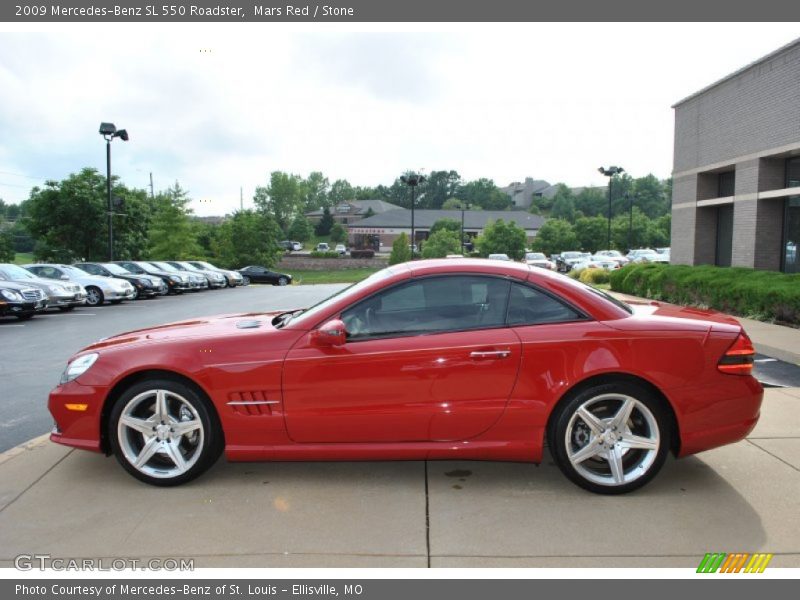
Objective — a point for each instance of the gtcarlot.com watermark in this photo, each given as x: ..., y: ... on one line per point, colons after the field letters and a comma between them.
x: 42, y: 562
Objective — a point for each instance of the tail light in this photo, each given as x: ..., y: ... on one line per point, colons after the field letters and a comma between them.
x: 738, y: 360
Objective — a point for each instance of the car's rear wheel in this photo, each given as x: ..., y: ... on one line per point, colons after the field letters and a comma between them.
x: 135, y: 293
x: 164, y: 432
x: 283, y: 281
x: 94, y: 296
x: 611, y: 438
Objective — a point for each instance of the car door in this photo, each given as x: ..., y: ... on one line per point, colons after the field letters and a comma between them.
x: 429, y: 359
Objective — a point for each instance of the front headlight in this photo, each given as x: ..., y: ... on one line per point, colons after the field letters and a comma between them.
x: 78, y: 367
x: 57, y: 289
x: 11, y: 295
x: 175, y: 279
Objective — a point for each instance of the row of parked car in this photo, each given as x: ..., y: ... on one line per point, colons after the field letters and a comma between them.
x: 602, y: 259
x: 29, y: 289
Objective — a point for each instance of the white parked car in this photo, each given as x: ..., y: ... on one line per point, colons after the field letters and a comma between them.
x: 647, y: 255
x: 341, y: 249
x: 498, y: 257
x: 98, y: 289
x: 596, y: 262
x: 538, y: 259
x: 323, y: 247
x: 613, y: 255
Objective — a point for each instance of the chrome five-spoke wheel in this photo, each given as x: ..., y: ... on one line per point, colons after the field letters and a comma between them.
x: 163, y: 433
x: 611, y: 438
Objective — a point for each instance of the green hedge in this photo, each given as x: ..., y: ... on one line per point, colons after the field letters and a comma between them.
x: 763, y: 295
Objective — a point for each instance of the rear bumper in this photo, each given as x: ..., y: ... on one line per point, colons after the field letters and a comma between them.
x: 718, y: 414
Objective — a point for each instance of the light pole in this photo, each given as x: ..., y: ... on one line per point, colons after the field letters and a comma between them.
x: 631, y: 197
x: 464, y: 206
x: 610, y: 172
x: 109, y: 132
x: 412, y: 180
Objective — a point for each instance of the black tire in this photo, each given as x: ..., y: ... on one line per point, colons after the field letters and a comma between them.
x: 115, y: 301
x: 25, y: 317
x: 66, y: 308
x: 283, y: 281
x: 94, y: 296
x: 211, y: 433
x: 568, y: 434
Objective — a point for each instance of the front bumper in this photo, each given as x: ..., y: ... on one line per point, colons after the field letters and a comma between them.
x: 76, y: 299
x: 21, y: 308
x: 113, y: 294
x: 77, y: 428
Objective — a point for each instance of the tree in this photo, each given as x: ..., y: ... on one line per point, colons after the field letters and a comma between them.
x: 592, y: 202
x: 484, y: 193
x: 325, y: 223
x: 441, y: 243
x: 651, y: 196
x: 438, y: 187
x: 172, y: 235
x: 282, y: 198
x: 314, y: 192
x: 7, y: 253
x: 591, y: 233
x: 446, y: 224
x: 401, y: 251
x: 499, y: 237
x: 248, y: 238
x: 69, y: 221
x: 341, y: 191
x: 563, y: 204
x: 338, y: 233
x: 454, y: 204
x: 639, y: 232
x: 301, y: 229
x: 369, y: 213
x: 556, y: 235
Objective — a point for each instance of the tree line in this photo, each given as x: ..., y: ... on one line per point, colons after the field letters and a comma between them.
x: 66, y: 220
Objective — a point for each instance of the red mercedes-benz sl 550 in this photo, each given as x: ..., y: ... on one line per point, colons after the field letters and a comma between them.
x: 440, y: 359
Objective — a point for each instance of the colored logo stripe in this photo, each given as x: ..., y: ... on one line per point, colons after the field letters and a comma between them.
x: 734, y: 563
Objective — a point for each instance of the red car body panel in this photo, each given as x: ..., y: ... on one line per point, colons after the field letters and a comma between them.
x: 423, y: 396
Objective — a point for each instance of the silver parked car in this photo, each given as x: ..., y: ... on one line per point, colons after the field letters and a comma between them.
x: 215, y: 279
x: 63, y: 295
x: 232, y: 277
x: 98, y: 289
x: 196, y: 282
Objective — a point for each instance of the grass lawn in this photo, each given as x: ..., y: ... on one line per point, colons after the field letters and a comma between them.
x: 332, y: 276
x: 23, y: 258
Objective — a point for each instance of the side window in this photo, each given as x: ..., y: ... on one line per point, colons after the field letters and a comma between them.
x: 527, y: 306
x: 91, y: 269
x: 430, y: 305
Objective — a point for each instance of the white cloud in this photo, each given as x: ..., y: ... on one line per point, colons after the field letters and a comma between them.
x: 554, y: 101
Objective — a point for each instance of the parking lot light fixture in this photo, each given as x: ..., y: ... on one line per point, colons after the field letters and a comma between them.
x: 109, y: 131
x: 412, y: 180
x: 610, y: 172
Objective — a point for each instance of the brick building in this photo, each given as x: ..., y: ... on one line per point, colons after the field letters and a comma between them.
x: 736, y: 175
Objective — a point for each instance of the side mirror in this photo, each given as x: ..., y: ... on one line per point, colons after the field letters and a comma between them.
x: 332, y: 333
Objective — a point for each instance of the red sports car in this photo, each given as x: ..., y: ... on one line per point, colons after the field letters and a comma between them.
x: 440, y: 359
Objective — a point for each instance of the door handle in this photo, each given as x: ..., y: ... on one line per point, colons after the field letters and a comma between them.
x: 490, y: 354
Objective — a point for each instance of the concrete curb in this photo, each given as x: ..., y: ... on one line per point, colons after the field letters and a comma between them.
x: 24, y: 447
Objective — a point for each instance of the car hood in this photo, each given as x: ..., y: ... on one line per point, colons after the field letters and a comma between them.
x: 202, y: 327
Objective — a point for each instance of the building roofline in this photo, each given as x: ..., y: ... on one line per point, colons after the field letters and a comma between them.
x: 738, y: 72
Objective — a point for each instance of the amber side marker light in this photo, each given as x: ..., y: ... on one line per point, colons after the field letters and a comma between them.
x: 738, y: 360
x: 77, y: 407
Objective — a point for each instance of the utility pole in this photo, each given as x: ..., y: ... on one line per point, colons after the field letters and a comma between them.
x: 241, y: 198
x: 152, y: 193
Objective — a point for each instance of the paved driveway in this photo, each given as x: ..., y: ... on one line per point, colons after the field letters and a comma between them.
x: 743, y: 498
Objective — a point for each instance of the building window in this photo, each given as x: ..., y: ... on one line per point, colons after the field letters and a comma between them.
x: 793, y: 172
x: 791, y: 235
x: 727, y: 184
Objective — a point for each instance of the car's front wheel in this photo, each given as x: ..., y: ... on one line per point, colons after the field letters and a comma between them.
x: 610, y: 438
x: 283, y: 281
x: 164, y: 432
x: 94, y: 296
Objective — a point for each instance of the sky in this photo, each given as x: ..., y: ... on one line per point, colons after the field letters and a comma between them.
x: 218, y: 108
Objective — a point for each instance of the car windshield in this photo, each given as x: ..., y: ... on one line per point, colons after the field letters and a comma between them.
x: 116, y: 269
x: 15, y: 272
x: 178, y: 266
x: 148, y: 268
x: 309, y: 314
x: 535, y: 256
x: 165, y: 266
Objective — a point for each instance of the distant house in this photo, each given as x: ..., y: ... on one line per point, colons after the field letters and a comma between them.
x: 522, y: 194
x: 353, y: 210
x: 381, y: 230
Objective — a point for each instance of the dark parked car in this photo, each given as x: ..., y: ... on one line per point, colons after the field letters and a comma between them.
x: 176, y: 282
x: 20, y: 300
x: 214, y: 279
x: 258, y: 274
x: 146, y: 286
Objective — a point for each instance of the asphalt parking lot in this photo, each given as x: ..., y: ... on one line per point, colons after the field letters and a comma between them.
x: 35, y: 352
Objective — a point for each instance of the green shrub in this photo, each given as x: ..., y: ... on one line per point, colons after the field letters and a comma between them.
x: 328, y: 254
x: 765, y: 295
x: 594, y: 276
x: 401, y: 252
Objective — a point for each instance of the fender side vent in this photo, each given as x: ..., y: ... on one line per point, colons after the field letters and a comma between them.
x: 251, y: 403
